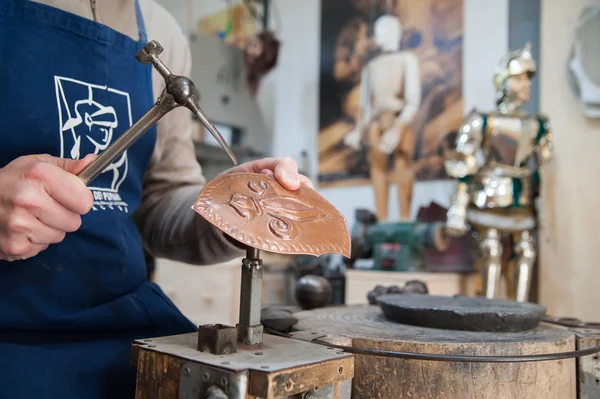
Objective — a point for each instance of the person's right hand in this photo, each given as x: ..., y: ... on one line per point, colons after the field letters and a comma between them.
x: 41, y: 199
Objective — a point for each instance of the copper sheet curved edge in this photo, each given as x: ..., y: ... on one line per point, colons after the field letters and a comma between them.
x: 291, y: 249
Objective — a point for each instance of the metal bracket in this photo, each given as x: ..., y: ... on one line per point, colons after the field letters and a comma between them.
x: 197, y: 379
x: 326, y: 392
x: 217, y: 339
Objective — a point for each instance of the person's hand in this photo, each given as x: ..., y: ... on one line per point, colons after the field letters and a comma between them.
x: 352, y: 139
x: 285, y: 170
x: 41, y: 199
x: 390, y: 139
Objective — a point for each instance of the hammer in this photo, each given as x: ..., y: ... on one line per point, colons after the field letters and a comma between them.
x: 179, y: 91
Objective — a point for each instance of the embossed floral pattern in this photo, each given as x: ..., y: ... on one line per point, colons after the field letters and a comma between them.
x: 257, y: 211
x: 284, y: 211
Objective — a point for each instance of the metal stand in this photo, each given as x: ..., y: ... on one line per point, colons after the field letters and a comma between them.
x: 250, y: 330
x: 240, y: 362
x: 219, y: 339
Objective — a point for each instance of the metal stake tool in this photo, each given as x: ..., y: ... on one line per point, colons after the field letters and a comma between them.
x: 179, y: 91
x: 250, y: 330
x: 221, y: 339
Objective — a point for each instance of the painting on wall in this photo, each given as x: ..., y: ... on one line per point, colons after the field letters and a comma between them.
x: 390, y: 89
x: 235, y: 25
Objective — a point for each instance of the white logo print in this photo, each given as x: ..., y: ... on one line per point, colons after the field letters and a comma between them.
x: 91, y: 117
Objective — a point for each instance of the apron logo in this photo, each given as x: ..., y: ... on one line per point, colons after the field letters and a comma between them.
x: 91, y: 118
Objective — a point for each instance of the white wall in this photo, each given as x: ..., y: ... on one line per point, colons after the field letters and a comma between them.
x: 569, y: 270
x: 295, y: 84
x: 187, y: 12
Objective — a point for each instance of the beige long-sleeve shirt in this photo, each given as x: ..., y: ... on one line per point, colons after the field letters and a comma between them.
x: 173, y: 180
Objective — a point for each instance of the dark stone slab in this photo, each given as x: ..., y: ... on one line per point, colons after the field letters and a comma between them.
x: 461, y: 313
x: 278, y: 318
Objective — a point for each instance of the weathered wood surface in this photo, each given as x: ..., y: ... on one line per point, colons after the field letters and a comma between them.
x: 157, y: 375
x: 280, y: 384
x: 343, y: 390
x: 588, y: 367
x: 393, y: 378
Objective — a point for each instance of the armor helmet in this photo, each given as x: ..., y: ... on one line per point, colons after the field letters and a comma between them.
x: 512, y: 64
x: 515, y: 63
x: 388, y: 33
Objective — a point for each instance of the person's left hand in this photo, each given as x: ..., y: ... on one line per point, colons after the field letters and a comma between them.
x: 390, y: 140
x: 285, y: 171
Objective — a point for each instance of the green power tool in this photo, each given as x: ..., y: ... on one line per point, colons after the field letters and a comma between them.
x: 399, y: 246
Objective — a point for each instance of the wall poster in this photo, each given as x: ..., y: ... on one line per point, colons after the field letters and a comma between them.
x: 235, y: 25
x: 414, y: 52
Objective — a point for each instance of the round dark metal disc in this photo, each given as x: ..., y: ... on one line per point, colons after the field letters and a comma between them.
x: 461, y: 313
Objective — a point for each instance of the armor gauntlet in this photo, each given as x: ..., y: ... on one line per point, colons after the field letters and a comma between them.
x: 467, y: 157
x: 465, y: 161
x: 456, y: 219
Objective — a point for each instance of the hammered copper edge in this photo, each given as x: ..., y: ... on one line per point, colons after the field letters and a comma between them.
x: 257, y: 211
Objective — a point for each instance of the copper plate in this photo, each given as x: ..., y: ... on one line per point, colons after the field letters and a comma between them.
x: 257, y: 211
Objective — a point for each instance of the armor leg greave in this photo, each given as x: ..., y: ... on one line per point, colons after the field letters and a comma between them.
x: 525, y: 250
x: 491, y: 247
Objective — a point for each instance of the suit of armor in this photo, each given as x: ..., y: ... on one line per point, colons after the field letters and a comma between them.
x: 496, y: 161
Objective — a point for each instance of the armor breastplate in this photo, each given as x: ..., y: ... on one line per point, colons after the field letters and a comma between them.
x: 509, y: 142
x: 505, y: 178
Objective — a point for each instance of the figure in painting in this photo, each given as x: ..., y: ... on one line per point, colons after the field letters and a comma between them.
x: 260, y: 57
x: 390, y: 99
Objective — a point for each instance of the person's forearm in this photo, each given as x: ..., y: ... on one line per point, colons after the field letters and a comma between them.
x: 171, y: 229
x: 412, y: 101
x: 412, y: 91
x: 409, y: 111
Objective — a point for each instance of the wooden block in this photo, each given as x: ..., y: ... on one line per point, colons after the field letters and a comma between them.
x: 157, y: 376
x: 205, y: 295
x: 211, y: 294
x: 588, y: 367
x: 392, y: 378
x: 342, y: 390
x: 299, y: 379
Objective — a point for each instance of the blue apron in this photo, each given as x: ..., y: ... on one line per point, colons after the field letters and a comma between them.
x: 70, y: 86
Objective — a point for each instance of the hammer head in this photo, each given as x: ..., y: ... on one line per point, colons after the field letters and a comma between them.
x: 181, y: 89
x: 149, y: 52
